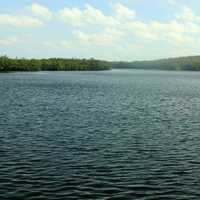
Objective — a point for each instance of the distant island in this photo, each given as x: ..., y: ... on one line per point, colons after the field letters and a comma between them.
x: 52, y: 64
x: 190, y: 63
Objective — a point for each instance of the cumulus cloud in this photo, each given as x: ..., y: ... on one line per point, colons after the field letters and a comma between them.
x: 89, y: 16
x: 122, y: 27
x: 19, y: 21
x: 109, y: 37
x: 41, y: 11
x: 126, y: 22
x: 187, y: 14
x: 124, y: 12
x: 27, y: 20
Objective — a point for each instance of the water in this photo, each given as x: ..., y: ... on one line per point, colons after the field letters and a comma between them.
x: 117, y: 134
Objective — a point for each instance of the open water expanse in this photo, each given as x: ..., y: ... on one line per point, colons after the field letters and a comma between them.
x: 110, y: 135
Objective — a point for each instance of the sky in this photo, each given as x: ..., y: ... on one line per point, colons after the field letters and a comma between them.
x: 117, y: 30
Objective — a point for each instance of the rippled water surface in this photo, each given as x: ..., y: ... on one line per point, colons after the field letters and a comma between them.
x: 117, y: 134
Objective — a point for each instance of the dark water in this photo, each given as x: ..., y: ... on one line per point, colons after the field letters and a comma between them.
x: 100, y: 135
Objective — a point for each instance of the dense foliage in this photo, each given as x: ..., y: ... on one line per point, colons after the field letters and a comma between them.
x: 60, y: 64
x: 51, y: 64
x: 183, y: 63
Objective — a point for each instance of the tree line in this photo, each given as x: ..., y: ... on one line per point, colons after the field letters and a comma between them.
x: 52, y: 64
x: 191, y: 63
x: 7, y: 64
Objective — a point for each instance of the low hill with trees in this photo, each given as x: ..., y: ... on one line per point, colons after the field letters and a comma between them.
x: 191, y: 63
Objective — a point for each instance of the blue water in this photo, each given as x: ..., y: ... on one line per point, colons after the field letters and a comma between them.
x: 120, y: 134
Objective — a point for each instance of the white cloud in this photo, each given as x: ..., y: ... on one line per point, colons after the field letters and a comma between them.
x: 147, y: 35
x: 72, y: 16
x: 93, y: 16
x: 179, y: 38
x: 41, y: 11
x: 88, y: 16
x: 166, y: 27
x: 180, y: 29
x: 193, y: 28
x: 93, y: 29
x: 107, y: 38
x: 19, y: 21
x: 123, y: 12
x: 187, y: 14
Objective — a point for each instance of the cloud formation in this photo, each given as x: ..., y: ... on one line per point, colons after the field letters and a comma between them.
x: 89, y: 16
x: 180, y: 29
x: 41, y: 11
x: 19, y: 21
x: 121, y: 30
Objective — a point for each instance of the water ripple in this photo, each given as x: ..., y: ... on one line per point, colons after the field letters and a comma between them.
x: 99, y: 135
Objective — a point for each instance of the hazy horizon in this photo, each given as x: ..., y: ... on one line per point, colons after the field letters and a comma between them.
x: 106, y: 30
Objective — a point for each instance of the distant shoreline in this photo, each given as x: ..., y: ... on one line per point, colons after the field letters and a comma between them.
x: 190, y: 63
x: 52, y: 64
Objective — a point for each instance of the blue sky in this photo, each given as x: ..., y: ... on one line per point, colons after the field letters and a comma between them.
x: 104, y: 29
